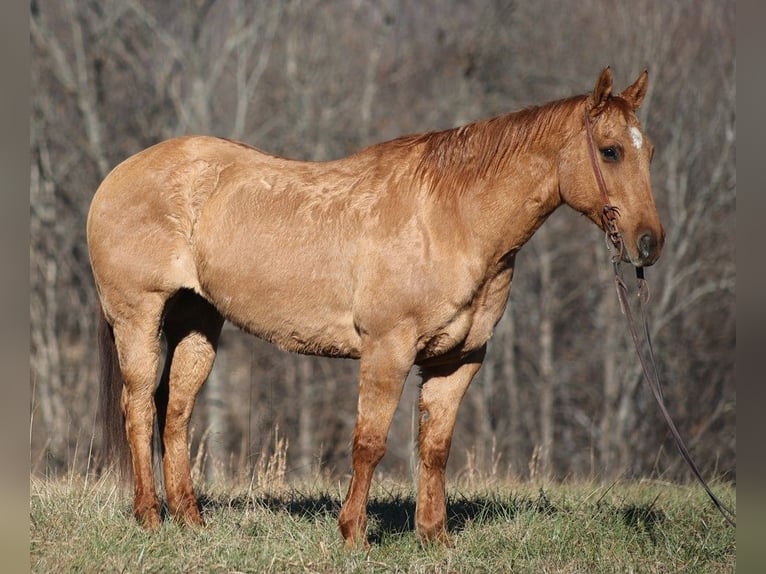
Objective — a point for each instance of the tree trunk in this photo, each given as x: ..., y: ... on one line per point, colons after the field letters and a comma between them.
x: 306, y: 385
x: 481, y: 395
x: 547, y: 376
x: 510, y: 376
x: 217, y: 420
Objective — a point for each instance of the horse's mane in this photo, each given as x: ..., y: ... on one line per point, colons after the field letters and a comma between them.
x: 453, y: 159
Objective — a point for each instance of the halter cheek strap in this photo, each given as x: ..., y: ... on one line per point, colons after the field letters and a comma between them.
x: 609, y: 213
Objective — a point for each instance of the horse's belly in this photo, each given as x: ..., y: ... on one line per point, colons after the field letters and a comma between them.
x: 310, y: 330
x: 297, y: 314
x: 327, y: 341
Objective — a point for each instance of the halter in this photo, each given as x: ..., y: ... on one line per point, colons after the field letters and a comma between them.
x: 609, y: 213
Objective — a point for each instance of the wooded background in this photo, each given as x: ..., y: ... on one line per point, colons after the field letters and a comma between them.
x: 560, y: 394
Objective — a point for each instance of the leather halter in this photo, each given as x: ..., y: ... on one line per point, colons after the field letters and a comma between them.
x: 609, y: 212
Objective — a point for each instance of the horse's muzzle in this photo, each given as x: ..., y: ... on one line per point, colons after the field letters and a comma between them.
x: 648, y: 249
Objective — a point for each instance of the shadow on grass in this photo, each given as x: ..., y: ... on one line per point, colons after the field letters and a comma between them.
x: 392, y: 513
x: 642, y: 518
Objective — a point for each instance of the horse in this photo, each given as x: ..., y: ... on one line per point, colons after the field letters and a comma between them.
x: 399, y: 255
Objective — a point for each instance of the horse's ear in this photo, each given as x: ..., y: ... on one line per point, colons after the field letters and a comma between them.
x: 635, y: 93
x: 602, y: 91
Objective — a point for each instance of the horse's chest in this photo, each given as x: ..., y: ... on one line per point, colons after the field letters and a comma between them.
x: 472, y: 325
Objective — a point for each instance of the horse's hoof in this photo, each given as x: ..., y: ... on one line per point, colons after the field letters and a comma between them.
x: 353, y: 533
x: 430, y: 536
x: 188, y: 514
x: 149, y: 518
x: 356, y: 543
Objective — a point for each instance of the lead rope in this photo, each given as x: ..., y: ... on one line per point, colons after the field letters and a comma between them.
x: 614, y: 241
x: 643, y: 301
x: 654, y: 382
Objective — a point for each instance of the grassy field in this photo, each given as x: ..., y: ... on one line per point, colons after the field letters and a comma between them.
x: 80, y: 526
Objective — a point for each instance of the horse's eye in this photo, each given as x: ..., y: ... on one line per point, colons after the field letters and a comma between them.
x: 610, y: 153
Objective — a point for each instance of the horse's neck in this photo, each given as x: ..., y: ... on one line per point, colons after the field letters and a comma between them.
x: 507, y: 211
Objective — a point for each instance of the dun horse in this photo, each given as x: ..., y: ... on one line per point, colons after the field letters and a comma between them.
x: 399, y: 255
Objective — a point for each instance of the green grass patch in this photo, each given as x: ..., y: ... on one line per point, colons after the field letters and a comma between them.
x: 585, y: 527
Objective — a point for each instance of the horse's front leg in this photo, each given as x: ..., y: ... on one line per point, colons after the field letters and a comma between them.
x: 384, y: 366
x: 440, y: 396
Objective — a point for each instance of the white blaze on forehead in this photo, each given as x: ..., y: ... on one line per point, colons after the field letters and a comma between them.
x: 636, y: 137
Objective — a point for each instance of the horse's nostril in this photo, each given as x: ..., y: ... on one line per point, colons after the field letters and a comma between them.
x: 646, y: 245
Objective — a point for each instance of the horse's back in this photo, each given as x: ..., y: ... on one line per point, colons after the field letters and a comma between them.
x: 235, y: 225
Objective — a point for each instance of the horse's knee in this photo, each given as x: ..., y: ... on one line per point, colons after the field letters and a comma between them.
x: 368, y: 449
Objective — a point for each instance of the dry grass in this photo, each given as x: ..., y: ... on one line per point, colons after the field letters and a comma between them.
x: 87, y: 526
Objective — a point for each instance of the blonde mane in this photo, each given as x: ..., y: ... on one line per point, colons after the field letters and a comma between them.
x: 453, y: 160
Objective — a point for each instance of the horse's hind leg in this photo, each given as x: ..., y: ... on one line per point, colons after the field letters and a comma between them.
x: 383, y: 370
x: 137, y: 338
x: 442, y: 391
x: 192, y: 327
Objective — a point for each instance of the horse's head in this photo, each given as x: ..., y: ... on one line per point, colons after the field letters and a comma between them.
x: 618, y: 152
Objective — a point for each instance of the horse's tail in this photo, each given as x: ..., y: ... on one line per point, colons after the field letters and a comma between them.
x: 114, y: 441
